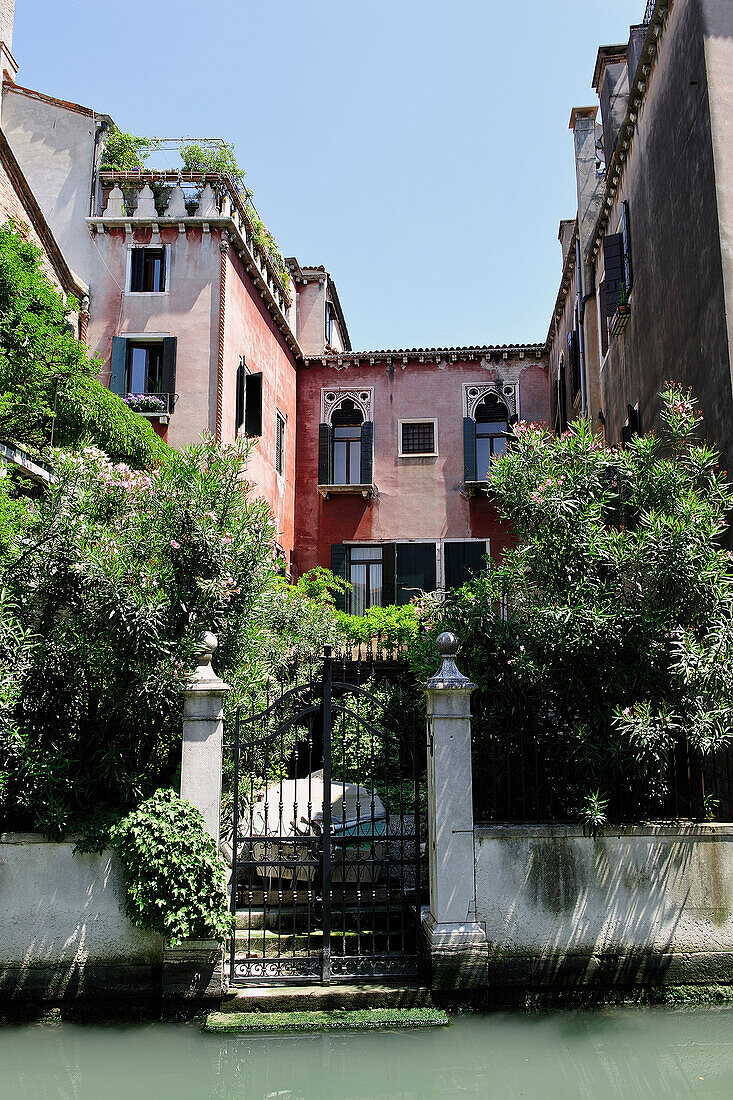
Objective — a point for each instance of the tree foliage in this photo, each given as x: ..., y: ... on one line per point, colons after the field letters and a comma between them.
x: 606, y: 637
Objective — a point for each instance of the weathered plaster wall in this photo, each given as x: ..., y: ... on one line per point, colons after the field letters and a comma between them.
x: 250, y: 331
x: 640, y: 903
x: 678, y: 324
x: 717, y: 24
x: 63, y: 930
x: 418, y: 498
x: 189, y: 311
x: 54, y: 144
x: 311, y: 314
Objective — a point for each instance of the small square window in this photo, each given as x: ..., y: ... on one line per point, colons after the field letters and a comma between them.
x: 147, y: 271
x: 280, y: 443
x: 417, y: 437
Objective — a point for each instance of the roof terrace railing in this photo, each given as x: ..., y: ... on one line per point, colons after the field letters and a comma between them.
x: 149, y: 195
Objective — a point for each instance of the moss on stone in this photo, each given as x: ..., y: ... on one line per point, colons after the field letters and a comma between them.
x: 364, y: 1019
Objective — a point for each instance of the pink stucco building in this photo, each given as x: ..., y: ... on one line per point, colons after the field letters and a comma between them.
x: 372, y: 463
x: 392, y: 455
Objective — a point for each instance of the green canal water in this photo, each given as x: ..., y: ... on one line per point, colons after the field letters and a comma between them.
x: 620, y: 1052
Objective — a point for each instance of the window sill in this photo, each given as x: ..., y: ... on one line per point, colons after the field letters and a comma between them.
x: 422, y: 454
x: 472, y: 487
x: 365, y: 491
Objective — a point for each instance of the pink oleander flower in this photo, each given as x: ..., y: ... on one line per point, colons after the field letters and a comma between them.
x: 175, y: 545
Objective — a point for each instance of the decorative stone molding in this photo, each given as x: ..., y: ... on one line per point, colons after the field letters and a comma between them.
x: 333, y: 398
x: 505, y: 392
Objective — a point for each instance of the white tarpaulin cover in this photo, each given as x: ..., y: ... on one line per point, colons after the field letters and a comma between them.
x: 295, y: 808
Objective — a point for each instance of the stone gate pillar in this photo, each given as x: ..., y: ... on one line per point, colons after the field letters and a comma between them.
x: 455, y: 941
x: 193, y: 972
x: 203, y: 736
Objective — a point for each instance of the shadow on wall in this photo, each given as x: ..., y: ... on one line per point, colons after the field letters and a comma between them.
x: 643, y: 905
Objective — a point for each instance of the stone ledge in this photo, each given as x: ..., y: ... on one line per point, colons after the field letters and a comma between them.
x: 193, y: 971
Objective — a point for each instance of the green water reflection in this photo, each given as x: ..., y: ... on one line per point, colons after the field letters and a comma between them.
x: 613, y: 1053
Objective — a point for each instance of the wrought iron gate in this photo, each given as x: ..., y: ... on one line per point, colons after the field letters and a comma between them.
x: 325, y: 830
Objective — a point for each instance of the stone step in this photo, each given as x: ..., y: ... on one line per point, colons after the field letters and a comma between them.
x: 294, y: 998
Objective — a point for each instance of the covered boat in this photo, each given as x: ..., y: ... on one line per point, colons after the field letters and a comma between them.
x: 291, y: 810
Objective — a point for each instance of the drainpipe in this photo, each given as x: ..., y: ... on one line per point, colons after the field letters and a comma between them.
x: 224, y: 249
x: 581, y: 335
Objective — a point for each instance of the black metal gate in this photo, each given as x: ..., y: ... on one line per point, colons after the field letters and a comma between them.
x: 326, y: 829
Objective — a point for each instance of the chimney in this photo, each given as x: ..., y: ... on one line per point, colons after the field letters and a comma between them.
x: 588, y: 173
x: 565, y: 236
x: 635, y: 48
x: 611, y: 81
x: 8, y: 64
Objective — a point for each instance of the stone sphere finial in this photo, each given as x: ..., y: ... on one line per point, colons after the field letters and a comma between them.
x: 448, y: 676
x: 205, y: 649
x: 447, y: 644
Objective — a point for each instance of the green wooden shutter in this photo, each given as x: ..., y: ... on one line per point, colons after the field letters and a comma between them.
x: 168, y: 384
x: 339, y: 567
x: 469, y: 449
x: 415, y: 570
x: 389, y: 573
x: 367, y: 451
x: 325, y: 454
x: 253, y: 405
x: 118, y: 365
x: 614, y: 279
x: 626, y: 238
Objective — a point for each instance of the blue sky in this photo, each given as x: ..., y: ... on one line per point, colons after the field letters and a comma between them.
x: 419, y: 149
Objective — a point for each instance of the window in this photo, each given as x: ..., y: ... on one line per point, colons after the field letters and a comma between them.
x: 240, y: 395
x: 147, y: 271
x: 253, y: 404
x: 574, y: 363
x: 417, y: 437
x: 462, y: 560
x: 279, y: 443
x: 365, y: 576
x: 144, y: 368
x: 345, y: 448
x: 492, y: 425
x: 346, y: 425
x: 416, y: 570
x: 330, y: 317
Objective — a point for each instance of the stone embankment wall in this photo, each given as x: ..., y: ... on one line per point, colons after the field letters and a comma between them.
x: 638, y: 906
x: 64, y: 934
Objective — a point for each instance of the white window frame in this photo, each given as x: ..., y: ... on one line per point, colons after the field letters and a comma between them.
x: 128, y: 272
x: 418, y: 454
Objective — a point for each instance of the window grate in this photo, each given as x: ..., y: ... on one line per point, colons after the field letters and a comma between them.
x: 418, y: 439
x: 280, y: 443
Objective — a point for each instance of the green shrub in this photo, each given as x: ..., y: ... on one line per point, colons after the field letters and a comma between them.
x: 176, y: 881
x: 119, y: 574
x: 605, y: 639
x: 124, y: 152
x: 87, y: 412
x: 394, y: 626
x: 38, y: 349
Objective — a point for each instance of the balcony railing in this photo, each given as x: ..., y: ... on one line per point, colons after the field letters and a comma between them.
x: 145, y: 196
x: 650, y: 6
x: 153, y: 405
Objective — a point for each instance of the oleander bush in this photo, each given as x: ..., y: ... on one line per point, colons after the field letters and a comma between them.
x: 604, y: 641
